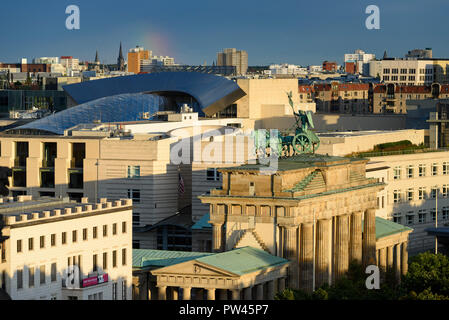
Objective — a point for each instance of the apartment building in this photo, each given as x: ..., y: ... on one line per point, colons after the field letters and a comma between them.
x: 392, y: 98
x: 342, y: 97
x: 405, y: 72
x: 234, y: 57
x: 57, y: 249
x: 417, y: 187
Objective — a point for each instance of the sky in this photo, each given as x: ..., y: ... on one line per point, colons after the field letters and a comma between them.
x: 193, y: 31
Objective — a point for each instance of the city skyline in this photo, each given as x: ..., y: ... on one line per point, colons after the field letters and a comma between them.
x: 198, y: 37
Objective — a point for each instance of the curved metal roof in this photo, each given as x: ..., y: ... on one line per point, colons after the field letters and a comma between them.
x: 212, y: 92
x: 125, y: 107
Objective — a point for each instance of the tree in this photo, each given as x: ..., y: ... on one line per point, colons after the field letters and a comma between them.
x: 428, y: 274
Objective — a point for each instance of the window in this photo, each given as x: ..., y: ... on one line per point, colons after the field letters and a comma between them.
x: 421, y: 193
x: 136, y: 218
x: 397, y: 219
x: 19, y: 279
x: 124, y: 289
x: 105, y: 230
x: 397, y: 173
x: 396, y: 196
x: 445, y: 213
x: 410, y: 194
x: 134, y: 194
x: 114, y: 259
x: 64, y: 237
x: 433, y: 214
x: 42, y: 242
x: 74, y: 236
x: 434, y: 169
x: 53, y: 239
x: 213, y: 175
x: 19, y: 246
x: 445, y: 190
x: 31, y: 277
x: 403, y: 71
x: 42, y: 274
x: 85, y: 234
x: 95, y: 262
x: 445, y: 168
x: 94, y: 232
x: 422, y: 170
x: 124, y: 257
x: 133, y: 172
x: 410, y: 219
x: 386, y: 70
x: 434, y: 192
x: 53, y: 272
x: 136, y: 244
x: 114, y: 229
x: 105, y: 260
x: 114, y: 291
x: 30, y: 244
x: 124, y: 227
x: 422, y: 216
x: 410, y: 172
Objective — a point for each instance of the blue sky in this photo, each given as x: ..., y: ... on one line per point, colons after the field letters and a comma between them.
x: 193, y: 31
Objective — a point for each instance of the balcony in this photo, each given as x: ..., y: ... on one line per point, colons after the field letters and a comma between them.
x: 48, y: 163
x: 20, y: 162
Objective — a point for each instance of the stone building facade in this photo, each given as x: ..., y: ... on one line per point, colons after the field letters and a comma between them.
x: 316, y: 211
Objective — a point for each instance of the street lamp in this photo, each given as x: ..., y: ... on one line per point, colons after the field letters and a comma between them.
x: 436, y: 217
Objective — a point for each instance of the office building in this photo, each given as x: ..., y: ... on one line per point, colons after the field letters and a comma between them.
x: 357, y: 62
x: 234, y: 57
x: 135, y: 57
x: 43, y: 240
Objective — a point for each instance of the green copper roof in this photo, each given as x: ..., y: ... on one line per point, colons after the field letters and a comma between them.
x: 386, y: 228
x: 243, y: 260
x: 203, y: 223
x: 143, y: 258
x: 298, y: 162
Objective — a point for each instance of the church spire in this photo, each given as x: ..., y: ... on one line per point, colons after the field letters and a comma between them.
x: 97, y: 60
x: 385, y: 55
x: 120, y: 60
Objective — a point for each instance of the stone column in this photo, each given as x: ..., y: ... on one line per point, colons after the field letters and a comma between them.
x: 162, y: 292
x: 290, y: 242
x: 404, y: 258
x: 186, y: 293
x: 342, y: 246
x: 322, y: 252
x: 390, y: 258
x: 150, y: 296
x: 247, y: 293
x: 210, y: 294
x: 235, y: 294
x: 175, y: 293
x: 281, y: 284
x: 270, y: 290
x: 355, y: 248
x: 369, y: 237
x: 259, y: 292
x: 223, y: 294
x: 306, y: 257
x: 383, y: 259
x: 397, y: 261
x: 217, y: 237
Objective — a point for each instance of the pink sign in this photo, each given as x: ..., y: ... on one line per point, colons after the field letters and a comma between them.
x: 92, y: 281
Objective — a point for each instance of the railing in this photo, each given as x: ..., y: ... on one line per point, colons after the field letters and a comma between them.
x: 48, y: 163
x: 20, y: 162
x: 399, y: 152
x: 76, y: 164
